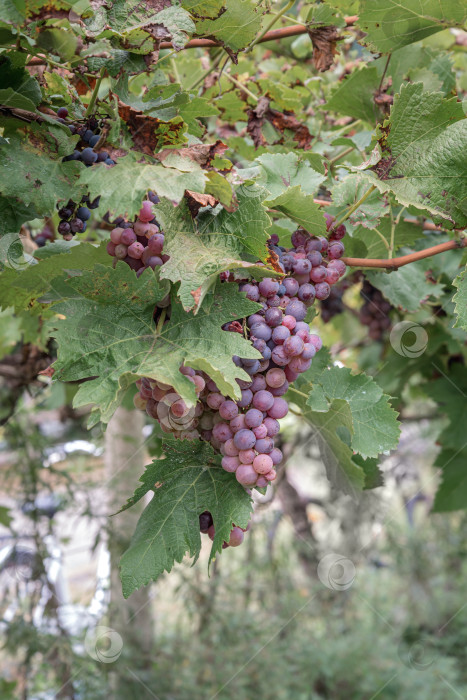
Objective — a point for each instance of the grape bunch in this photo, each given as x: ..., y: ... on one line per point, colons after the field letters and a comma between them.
x: 243, y: 431
x: 139, y: 243
x: 334, y: 305
x: 73, y: 216
x: 374, y: 313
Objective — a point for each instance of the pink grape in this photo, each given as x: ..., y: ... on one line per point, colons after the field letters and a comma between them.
x: 228, y: 410
x: 236, y: 537
x: 245, y: 439
x: 246, y: 456
x: 263, y: 400
x: 246, y: 475
x: 253, y: 418
x: 275, y: 377
x: 262, y: 464
x: 279, y: 409
x: 230, y: 464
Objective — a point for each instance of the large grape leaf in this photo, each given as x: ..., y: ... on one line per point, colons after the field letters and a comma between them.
x: 186, y: 483
x: 373, y: 242
x: 235, y: 28
x: 33, y: 172
x: 460, y: 300
x: 123, y: 187
x: 374, y: 427
x: 354, y: 96
x: 108, y: 333
x: 200, y: 249
x: 422, y: 146
x: 21, y: 288
x: 395, y: 23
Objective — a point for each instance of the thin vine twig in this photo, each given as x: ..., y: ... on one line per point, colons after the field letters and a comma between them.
x: 395, y: 263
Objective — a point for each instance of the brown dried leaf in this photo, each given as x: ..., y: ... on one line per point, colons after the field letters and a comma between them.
x: 280, y: 121
x: 324, y: 42
x: 195, y: 201
x: 202, y: 154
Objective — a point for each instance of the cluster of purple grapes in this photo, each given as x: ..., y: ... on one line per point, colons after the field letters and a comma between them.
x: 243, y: 431
x: 374, y: 313
x: 74, y: 217
x: 139, y: 243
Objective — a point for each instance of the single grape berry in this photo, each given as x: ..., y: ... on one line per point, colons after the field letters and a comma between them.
x: 62, y: 112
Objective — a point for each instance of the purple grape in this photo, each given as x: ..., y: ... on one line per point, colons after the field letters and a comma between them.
x: 62, y: 112
x: 302, y: 266
x: 273, y: 302
x: 291, y: 286
x: 128, y: 236
x: 246, y: 475
x: 279, y: 357
x: 299, y: 238
x: 318, y: 274
x: 263, y: 400
x: 254, y: 368
x: 268, y: 287
x: 315, y: 258
x: 251, y: 291
x: 322, y: 290
x: 258, y: 383
x: 253, y: 418
x: 222, y: 432
x: 261, y: 431
x: 309, y: 351
x: 296, y: 308
x: 335, y: 250
x: 272, y: 426
x: 245, y: 439
x: 254, y: 319
x: 261, y: 331
x: 246, y: 456
x: 236, y: 537
x: 293, y: 346
x: 273, y: 317
x: 279, y: 409
x: 280, y: 334
x: 264, y: 445
x: 88, y: 156
x: 280, y: 390
x: 275, y: 378
x: 306, y: 293
x: 247, y: 396
x: 276, y: 456
x: 230, y: 464
x: 237, y: 423
x: 228, y: 410
x: 316, y: 341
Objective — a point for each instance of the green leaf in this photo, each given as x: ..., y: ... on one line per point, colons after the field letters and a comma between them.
x: 405, y: 234
x: 235, y: 28
x: 189, y: 481
x: 10, y: 331
x: 460, y: 300
x: 123, y: 187
x: 422, y: 157
x: 29, y: 174
x: 348, y: 192
x: 199, y: 251
x: 13, y: 11
x: 300, y: 208
x: 204, y: 8
x: 396, y: 23
x: 61, y: 42
x: 13, y: 213
x: 354, y: 96
x: 374, y: 427
x: 22, y: 288
x: 5, y: 517
x: 406, y: 287
x: 126, y: 16
x: 17, y: 87
x: 279, y: 171
x: 452, y: 491
x: 108, y: 333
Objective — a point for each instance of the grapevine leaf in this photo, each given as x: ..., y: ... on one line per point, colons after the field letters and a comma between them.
x: 198, y: 253
x: 17, y: 87
x: 452, y: 491
x: 354, y: 96
x: 22, y: 288
x: 10, y: 331
x: 422, y: 146
x: 280, y: 171
x: 406, y: 287
x: 396, y: 23
x: 29, y: 174
x: 13, y: 213
x: 374, y: 426
x: 128, y: 16
x: 460, y: 300
x: 405, y: 234
x: 108, y: 333
x: 13, y: 11
x: 300, y: 208
x: 122, y: 187
x: 235, y: 28
x: 204, y: 8
x: 58, y: 41
x: 186, y: 483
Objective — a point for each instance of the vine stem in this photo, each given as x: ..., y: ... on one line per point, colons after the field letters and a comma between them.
x: 297, y: 391
x: 395, y: 263
x: 269, y: 26
x: 95, y: 92
x: 161, y: 320
x: 355, y: 206
x: 340, y: 155
x: 241, y: 87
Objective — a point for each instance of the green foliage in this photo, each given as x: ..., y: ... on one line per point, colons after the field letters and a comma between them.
x: 461, y: 300
x: 186, y: 483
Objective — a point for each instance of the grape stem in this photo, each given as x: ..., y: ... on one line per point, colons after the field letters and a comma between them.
x: 355, y: 206
x: 95, y: 92
x: 161, y: 320
x: 394, y: 263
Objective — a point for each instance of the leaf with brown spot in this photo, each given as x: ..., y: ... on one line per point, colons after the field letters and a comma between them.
x: 280, y: 121
x: 202, y: 154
